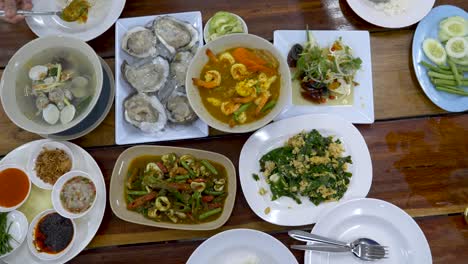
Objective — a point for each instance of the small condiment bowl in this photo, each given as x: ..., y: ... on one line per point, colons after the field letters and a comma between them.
x: 14, y: 166
x: 33, y: 157
x: 18, y: 230
x: 206, y: 33
x: 56, y: 194
x: 32, y: 229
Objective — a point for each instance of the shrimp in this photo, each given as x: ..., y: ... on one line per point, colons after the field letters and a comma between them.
x: 229, y: 107
x: 212, y: 80
x: 211, y: 55
x: 263, y: 99
x: 246, y: 88
x: 226, y: 56
x: 243, y: 100
x: 239, y: 72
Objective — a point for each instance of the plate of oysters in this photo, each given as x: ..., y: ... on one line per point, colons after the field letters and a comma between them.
x: 152, y: 57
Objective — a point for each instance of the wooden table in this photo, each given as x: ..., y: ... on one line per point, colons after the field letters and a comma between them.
x: 419, y: 152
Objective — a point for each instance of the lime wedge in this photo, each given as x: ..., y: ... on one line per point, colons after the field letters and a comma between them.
x: 434, y: 51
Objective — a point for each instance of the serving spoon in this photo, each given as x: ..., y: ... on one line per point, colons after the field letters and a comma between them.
x: 363, y: 248
x: 34, y: 13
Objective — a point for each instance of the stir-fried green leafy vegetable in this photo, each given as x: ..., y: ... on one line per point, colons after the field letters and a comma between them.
x: 5, y: 236
x: 308, y: 165
x: 176, y: 189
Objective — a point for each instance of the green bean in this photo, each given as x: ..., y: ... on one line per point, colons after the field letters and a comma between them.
x: 441, y: 75
x: 455, y: 72
x: 182, y: 177
x: 241, y: 109
x: 447, y: 82
x: 214, y: 193
x: 451, y: 89
x: 183, y: 207
x: 209, y: 213
x: 139, y: 193
x: 268, y: 106
x: 435, y: 68
x: 186, y: 166
x: 178, y: 196
x: 210, y: 167
x: 129, y: 199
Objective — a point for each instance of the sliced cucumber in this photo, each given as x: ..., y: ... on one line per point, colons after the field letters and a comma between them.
x: 457, y: 47
x: 463, y: 61
x: 454, y: 26
x: 443, y: 37
x: 434, y: 51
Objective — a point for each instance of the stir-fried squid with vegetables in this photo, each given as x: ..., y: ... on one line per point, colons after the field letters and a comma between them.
x: 324, y: 73
x: 308, y: 165
x: 239, y: 85
x: 175, y: 189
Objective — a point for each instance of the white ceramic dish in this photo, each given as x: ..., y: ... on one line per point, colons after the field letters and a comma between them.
x: 429, y: 28
x: 56, y: 201
x: 33, y: 157
x: 31, y: 234
x: 100, y: 19
x: 15, y: 66
x: 382, y: 221
x: 415, y: 11
x: 361, y: 111
x: 119, y: 175
x: 86, y: 227
x: 18, y: 230
x: 5, y: 166
x: 99, y: 112
x: 227, y: 42
x: 285, y: 211
x: 206, y: 28
x: 242, y: 246
x: 125, y: 133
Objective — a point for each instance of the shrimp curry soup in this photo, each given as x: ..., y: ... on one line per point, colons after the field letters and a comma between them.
x: 239, y: 85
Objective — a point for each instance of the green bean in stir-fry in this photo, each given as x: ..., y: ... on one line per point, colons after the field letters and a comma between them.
x: 176, y: 189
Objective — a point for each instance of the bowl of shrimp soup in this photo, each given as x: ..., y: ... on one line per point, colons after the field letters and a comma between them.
x: 238, y: 83
x: 51, y: 84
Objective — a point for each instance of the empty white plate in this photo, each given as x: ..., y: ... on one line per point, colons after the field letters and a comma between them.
x: 242, y: 246
x: 375, y: 219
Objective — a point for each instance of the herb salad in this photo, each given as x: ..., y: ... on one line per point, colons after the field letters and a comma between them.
x: 308, y: 165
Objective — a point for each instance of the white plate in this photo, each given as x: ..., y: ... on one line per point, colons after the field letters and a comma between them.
x: 415, y: 11
x: 100, y: 19
x: 87, y: 226
x: 18, y: 230
x: 125, y: 133
x: 362, y: 109
x: 242, y: 246
x: 285, y: 211
x: 376, y: 219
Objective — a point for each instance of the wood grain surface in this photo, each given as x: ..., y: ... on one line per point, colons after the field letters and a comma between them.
x: 411, y: 159
x: 447, y: 237
x: 397, y: 93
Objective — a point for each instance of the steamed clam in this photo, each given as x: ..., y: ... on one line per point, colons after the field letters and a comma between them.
x: 145, y: 112
x: 146, y: 76
x: 139, y: 42
x: 179, y: 109
x: 175, y: 34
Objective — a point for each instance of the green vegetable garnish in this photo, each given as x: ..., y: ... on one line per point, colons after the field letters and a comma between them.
x: 5, y: 236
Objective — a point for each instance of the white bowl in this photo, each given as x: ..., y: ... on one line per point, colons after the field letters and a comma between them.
x: 32, y: 162
x: 32, y: 229
x: 207, y: 27
x: 58, y: 188
x: 18, y: 230
x: 14, y: 166
x: 219, y: 45
x: 9, y: 91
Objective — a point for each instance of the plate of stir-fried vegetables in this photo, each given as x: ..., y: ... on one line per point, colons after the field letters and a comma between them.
x: 173, y: 187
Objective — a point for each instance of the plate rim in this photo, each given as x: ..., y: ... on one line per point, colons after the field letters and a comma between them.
x: 245, y: 176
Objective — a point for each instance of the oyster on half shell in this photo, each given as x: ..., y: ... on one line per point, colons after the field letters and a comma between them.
x: 179, y: 67
x: 145, y: 112
x: 175, y: 34
x: 139, y: 42
x: 146, y: 76
x: 179, y: 109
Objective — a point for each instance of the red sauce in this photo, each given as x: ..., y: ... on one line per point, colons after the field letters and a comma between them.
x: 14, y: 187
x: 53, y: 233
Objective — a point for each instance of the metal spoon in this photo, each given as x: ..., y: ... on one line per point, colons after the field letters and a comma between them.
x: 34, y: 13
x: 363, y: 248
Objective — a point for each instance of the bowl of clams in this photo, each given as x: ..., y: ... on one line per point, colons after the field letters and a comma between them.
x: 51, y: 84
x: 152, y: 57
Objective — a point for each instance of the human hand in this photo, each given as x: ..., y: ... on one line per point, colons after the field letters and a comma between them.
x: 10, y: 7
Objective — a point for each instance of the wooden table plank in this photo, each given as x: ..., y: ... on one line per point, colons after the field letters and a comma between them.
x: 262, y: 17
x: 447, y: 237
x: 397, y: 93
x: 419, y: 165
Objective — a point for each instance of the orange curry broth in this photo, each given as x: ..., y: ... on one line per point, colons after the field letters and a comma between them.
x: 227, y: 91
x: 14, y: 187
